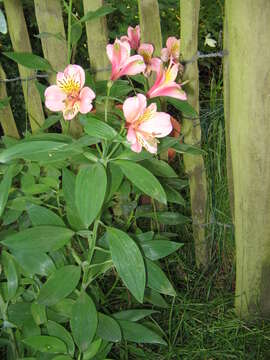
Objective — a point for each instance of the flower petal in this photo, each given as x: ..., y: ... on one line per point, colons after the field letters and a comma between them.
x: 158, y: 125
x: 165, y: 54
x: 136, y: 147
x: 54, y: 98
x: 133, y: 66
x: 86, y: 97
x: 76, y: 72
x: 146, y: 51
x: 156, y: 64
x: 134, y: 107
x: 134, y: 35
x: 131, y: 135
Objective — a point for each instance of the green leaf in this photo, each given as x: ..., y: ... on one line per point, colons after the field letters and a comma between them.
x: 33, y: 262
x: 68, y: 185
x: 133, y: 315
x: 97, y: 128
x: 4, y: 102
x: 83, y: 321
x: 188, y: 149
x: 38, y: 312
x: 61, y: 333
x: 183, y: 106
x: 159, y: 168
x: 29, y: 60
x: 140, y: 334
x: 154, y: 298
x: 108, y: 329
x: 5, y: 187
x: 165, y: 217
x: 115, y: 178
x: 157, y: 280
x: 174, y: 196
x: 120, y: 88
x: 11, y: 274
x: 76, y: 33
x: 40, y: 215
x: 157, y: 249
x: 90, y: 189
x: 47, y: 344
x: 128, y: 154
x: 32, y: 150
x: 40, y: 238
x: 128, y: 261
x: 59, y: 285
x: 62, y: 357
x: 92, y: 350
x: 100, y: 12
x: 143, y: 179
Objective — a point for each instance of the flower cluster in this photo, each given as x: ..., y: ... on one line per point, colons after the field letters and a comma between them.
x: 128, y: 56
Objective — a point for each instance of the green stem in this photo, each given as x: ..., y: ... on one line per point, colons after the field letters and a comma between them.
x: 109, y: 85
x: 69, y: 30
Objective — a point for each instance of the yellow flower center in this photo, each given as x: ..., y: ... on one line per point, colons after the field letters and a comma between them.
x: 69, y: 85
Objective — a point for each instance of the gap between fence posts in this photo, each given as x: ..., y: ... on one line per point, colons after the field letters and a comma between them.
x: 21, y: 43
x: 194, y: 164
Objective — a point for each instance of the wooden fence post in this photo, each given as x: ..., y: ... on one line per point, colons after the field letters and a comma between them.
x: 50, y: 20
x: 97, y: 36
x: 194, y: 164
x: 21, y: 43
x: 248, y: 23
x: 226, y: 96
x: 6, y: 117
x: 151, y: 33
x: 150, y: 24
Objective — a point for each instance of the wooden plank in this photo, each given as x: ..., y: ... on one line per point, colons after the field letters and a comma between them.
x: 50, y: 20
x: 226, y: 96
x: 6, y: 115
x: 21, y: 43
x: 194, y: 165
x: 248, y: 23
x: 150, y: 24
x: 97, y: 37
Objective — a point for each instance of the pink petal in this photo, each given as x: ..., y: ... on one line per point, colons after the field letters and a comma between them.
x: 137, y: 147
x: 134, y: 107
x: 173, y: 90
x: 134, y: 35
x: 159, y: 125
x: 70, y: 112
x: 146, y: 49
x: 156, y: 64
x: 109, y: 50
x: 54, y: 98
x: 165, y: 54
x: 172, y: 72
x: 170, y: 42
x: 131, y: 135
x: 86, y: 97
x: 133, y: 66
x: 76, y: 72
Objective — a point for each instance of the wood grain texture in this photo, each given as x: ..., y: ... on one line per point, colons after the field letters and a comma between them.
x: 21, y: 43
x: 194, y: 165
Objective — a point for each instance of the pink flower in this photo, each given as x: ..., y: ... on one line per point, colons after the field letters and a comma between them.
x: 133, y: 38
x: 152, y: 64
x: 172, y: 50
x: 145, y: 124
x: 69, y: 95
x: 122, y: 63
x: 165, y: 84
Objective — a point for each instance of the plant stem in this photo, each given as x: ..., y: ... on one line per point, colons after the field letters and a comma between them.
x: 69, y: 30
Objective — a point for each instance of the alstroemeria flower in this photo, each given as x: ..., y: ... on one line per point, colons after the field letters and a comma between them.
x: 172, y: 50
x: 152, y: 64
x: 133, y: 38
x: 122, y: 63
x: 145, y: 124
x: 69, y: 95
x: 165, y: 84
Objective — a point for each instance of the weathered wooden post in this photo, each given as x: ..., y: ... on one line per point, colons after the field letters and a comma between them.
x: 226, y: 96
x: 150, y: 24
x: 249, y: 59
x: 50, y: 20
x: 97, y: 36
x: 194, y: 164
x: 21, y: 43
x: 6, y: 117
